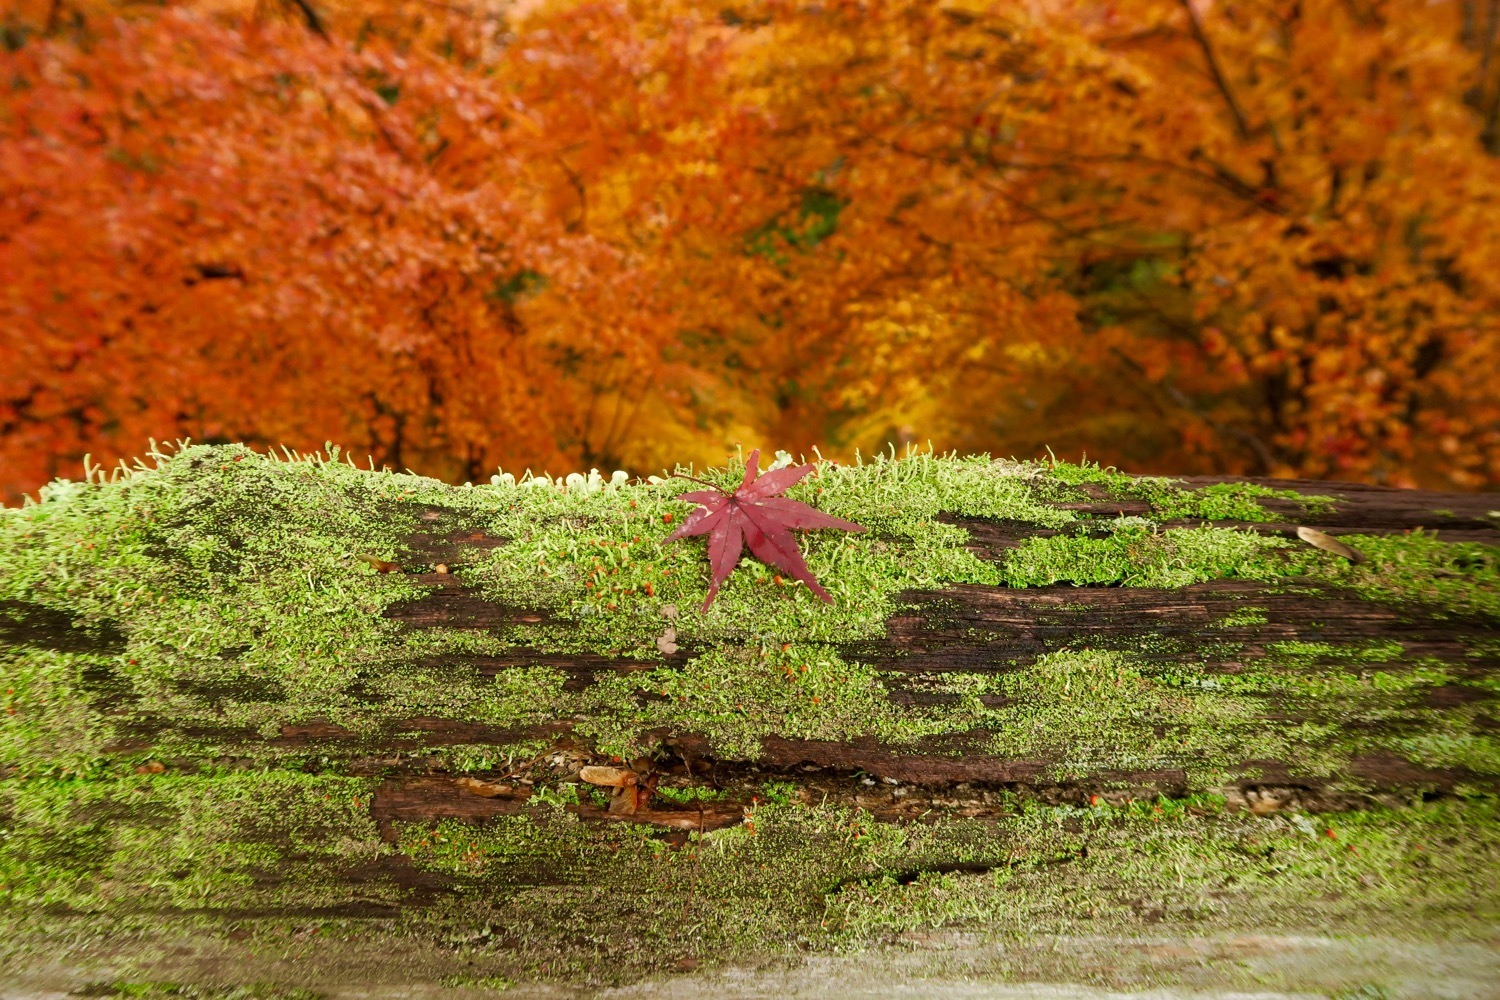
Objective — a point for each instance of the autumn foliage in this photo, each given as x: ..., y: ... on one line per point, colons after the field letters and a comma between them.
x: 757, y: 516
x: 1247, y: 237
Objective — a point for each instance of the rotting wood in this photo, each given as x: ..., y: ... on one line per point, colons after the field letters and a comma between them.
x: 970, y: 628
x: 978, y: 630
x: 952, y: 638
x: 422, y: 777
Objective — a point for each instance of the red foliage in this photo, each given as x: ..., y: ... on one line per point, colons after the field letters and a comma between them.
x: 756, y: 515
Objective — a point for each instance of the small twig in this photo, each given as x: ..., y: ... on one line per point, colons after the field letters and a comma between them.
x: 1216, y: 71
x: 526, y: 766
x: 314, y: 23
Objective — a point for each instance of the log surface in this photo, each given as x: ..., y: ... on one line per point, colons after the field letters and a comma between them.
x: 216, y: 709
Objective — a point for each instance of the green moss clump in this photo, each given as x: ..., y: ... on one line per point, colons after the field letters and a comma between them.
x: 820, y: 877
x: 216, y: 599
x: 736, y: 696
x: 1242, y: 618
x: 192, y: 841
x: 1136, y: 556
x: 1215, y: 502
x: 175, y: 642
x: 1448, y: 579
x: 157, y: 990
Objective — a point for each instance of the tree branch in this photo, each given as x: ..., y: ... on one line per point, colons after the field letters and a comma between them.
x: 310, y: 16
x: 1240, y: 122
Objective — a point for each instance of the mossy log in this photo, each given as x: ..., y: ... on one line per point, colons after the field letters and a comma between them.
x: 256, y: 705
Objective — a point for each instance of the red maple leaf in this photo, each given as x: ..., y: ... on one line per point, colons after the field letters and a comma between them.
x: 755, y: 515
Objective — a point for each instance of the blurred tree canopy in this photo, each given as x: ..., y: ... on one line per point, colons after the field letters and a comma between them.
x: 1252, y: 237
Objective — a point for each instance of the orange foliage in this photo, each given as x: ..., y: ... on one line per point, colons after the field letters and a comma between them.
x: 230, y: 233
x: 1329, y: 304
x: 1245, y: 237
x: 1185, y: 236
x: 244, y: 231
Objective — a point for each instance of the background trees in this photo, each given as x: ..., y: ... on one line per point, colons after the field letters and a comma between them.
x: 1240, y: 237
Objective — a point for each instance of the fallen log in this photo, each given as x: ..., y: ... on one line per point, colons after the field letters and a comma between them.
x: 246, y: 696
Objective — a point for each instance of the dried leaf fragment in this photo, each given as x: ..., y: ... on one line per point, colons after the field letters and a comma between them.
x: 1328, y: 543
x: 630, y: 794
x: 381, y: 566
x: 1264, y: 802
x: 609, y: 777
x: 485, y: 789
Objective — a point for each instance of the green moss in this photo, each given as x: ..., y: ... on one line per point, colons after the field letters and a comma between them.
x: 194, y: 991
x: 1313, y: 706
x: 557, y: 796
x: 498, y: 983
x: 1097, y: 711
x: 1228, y: 502
x: 230, y: 582
x: 691, y: 794
x: 1138, y: 557
x: 613, y: 577
x: 816, y: 877
x: 1460, y: 747
x: 779, y: 792
x: 1243, y: 617
x: 800, y: 690
x: 186, y: 614
x: 1215, y: 502
x: 1447, y: 579
x: 1299, y: 654
x: 542, y: 895
x: 1091, y: 712
x: 463, y: 758
x: 735, y: 696
x: 193, y: 841
x: 1343, y: 852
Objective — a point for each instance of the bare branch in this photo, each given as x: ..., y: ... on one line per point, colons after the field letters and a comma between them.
x: 310, y: 16
x: 1222, y: 82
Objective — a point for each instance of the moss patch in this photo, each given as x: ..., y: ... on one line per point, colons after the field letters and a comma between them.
x: 823, y: 877
x: 184, y: 842
x: 202, y: 684
x: 199, y: 608
x: 1169, y: 501
x: 1135, y: 555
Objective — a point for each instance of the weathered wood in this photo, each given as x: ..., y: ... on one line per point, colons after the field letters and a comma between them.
x: 443, y: 701
x: 979, y: 630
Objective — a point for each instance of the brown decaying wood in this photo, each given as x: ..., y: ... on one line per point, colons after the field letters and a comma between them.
x: 963, y: 628
x: 982, y: 629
